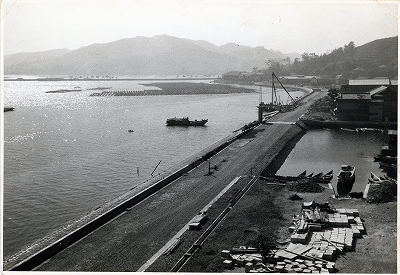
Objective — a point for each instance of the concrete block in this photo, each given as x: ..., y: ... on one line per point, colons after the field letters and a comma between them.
x: 324, y: 270
x: 279, y: 268
x: 356, y: 233
x: 308, y: 263
x: 300, y: 261
x: 328, y: 255
x: 318, y: 266
x: 287, y: 270
x: 355, y: 212
x: 228, y: 264
x: 306, y: 270
x: 226, y: 254
x: 249, y: 260
x: 239, y: 262
x: 298, y: 270
x: 248, y: 267
x: 287, y: 261
x: 294, y: 238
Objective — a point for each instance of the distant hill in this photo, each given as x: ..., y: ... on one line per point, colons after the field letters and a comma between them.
x: 378, y: 58
x: 157, y: 55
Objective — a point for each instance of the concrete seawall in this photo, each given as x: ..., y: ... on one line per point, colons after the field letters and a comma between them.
x: 39, y: 257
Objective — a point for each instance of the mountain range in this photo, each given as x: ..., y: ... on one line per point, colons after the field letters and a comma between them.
x: 157, y: 55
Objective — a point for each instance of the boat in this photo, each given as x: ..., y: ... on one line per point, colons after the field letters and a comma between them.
x: 383, y: 158
x: 319, y: 175
x: 302, y: 174
x: 388, y: 166
x: 130, y: 131
x: 185, y: 122
x: 374, y: 178
x: 7, y: 109
x: 347, y: 174
x: 326, y: 178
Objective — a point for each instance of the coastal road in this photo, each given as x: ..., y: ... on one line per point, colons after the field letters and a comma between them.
x: 129, y: 240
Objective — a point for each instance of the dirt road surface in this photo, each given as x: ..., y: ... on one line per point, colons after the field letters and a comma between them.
x: 129, y: 240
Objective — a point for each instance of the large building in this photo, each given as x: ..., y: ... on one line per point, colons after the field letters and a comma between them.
x: 368, y: 100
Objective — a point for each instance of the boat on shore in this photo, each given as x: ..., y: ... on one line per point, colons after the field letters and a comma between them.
x: 347, y: 174
x: 324, y: 178
x: 384, y: 158
x: 185, y: 122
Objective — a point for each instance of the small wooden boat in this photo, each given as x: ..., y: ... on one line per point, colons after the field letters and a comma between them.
x: 329, y: 175
x: 319, y: 175
x: 388, y: 166
x: 303, y: 174
x: 383, y: 158
x: 325, y: 178
x: 347, y: 174
x: 374, y: 178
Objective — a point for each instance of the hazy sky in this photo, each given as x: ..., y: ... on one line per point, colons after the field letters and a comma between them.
x: 289, y: 26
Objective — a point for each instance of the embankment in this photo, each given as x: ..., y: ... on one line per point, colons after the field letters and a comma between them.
x: 335, y: 124
x: 31, y: 258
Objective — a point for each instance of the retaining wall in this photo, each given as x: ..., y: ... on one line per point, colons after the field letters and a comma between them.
x: 52, y: 249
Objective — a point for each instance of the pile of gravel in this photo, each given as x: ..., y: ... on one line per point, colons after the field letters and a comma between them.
x: 385, y: 192
x: 306, y: 187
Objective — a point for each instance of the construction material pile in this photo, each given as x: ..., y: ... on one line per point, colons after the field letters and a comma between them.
x: 306, y: 186
x: 384, y: 192
x: 319, y: 234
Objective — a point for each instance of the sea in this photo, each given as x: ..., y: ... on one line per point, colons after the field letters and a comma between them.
x: 67, y: 154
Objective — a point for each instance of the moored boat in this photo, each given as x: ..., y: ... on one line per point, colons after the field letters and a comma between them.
x: 383, y: 158
x: 303, y: 174
x: 347, y: 174
x: 388, y: 166
x: 185, y: 122
x: 324, y: 178
x: 8, y: 109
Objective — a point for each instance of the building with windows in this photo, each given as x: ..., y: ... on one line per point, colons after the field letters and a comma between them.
x: 368, y: 100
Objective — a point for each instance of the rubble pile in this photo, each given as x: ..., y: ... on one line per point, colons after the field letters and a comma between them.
x: 384, y: 192
x: 319, y: 235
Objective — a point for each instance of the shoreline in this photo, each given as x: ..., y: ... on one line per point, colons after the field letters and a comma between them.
x: 40, y: 251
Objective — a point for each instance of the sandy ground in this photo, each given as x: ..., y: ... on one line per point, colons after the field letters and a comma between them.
x: 267, y: 209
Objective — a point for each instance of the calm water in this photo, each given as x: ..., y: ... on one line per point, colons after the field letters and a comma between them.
x: 325, y: 150
x: 66, y: 154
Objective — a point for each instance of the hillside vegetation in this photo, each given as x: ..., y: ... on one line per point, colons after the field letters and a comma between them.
x: 375, y: 59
